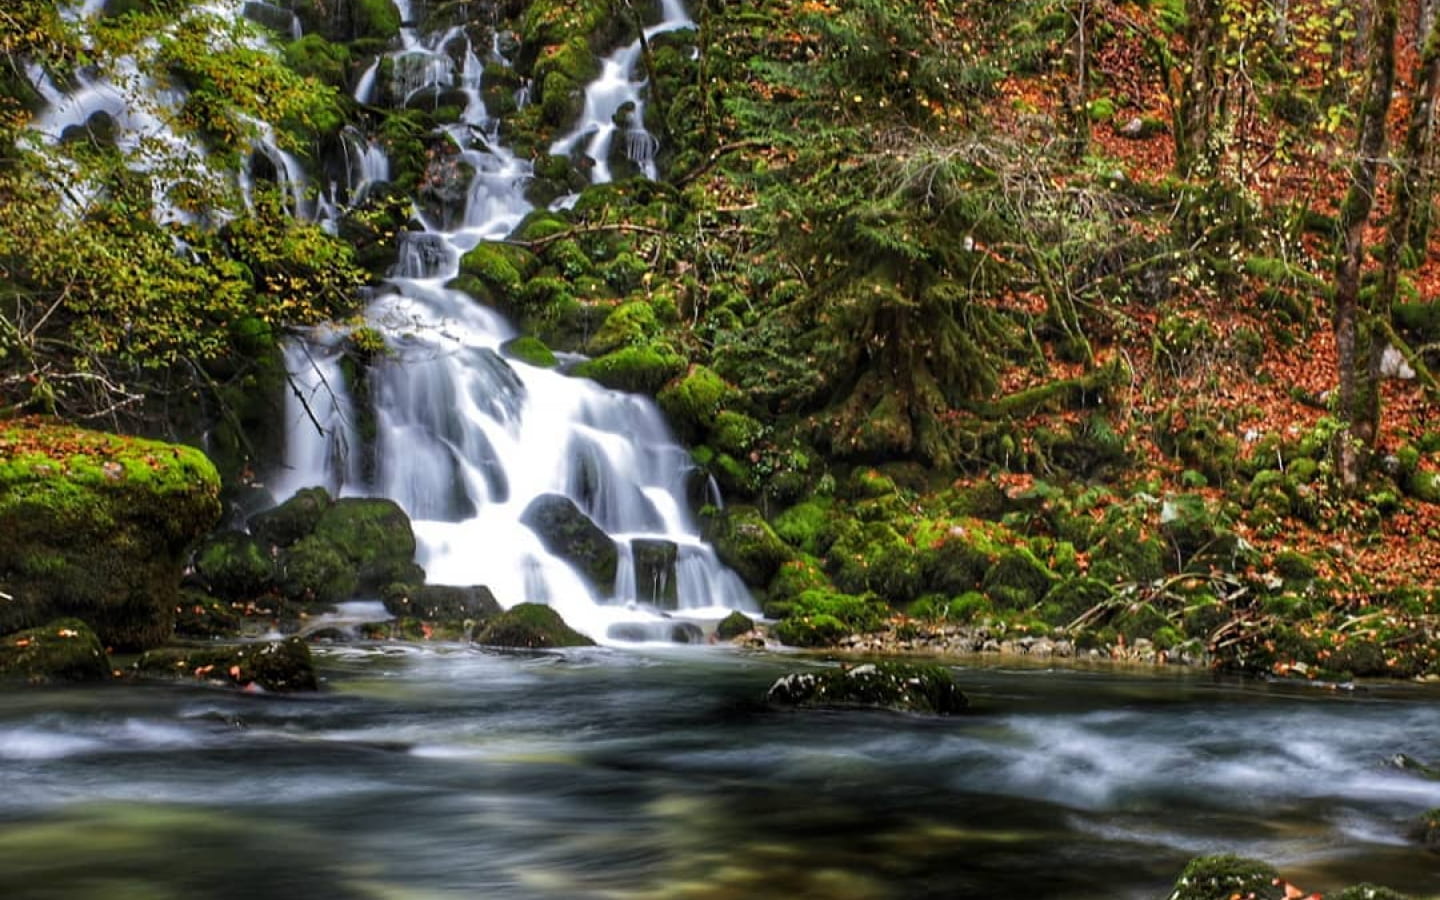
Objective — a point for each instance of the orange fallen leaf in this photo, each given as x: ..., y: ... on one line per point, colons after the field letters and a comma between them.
x: 235, y: 672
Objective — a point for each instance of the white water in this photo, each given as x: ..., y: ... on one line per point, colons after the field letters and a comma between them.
x: 466, y: 438
x: 618, y: 85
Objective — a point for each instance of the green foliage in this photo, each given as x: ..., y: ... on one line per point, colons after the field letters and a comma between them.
x: 820, y: 617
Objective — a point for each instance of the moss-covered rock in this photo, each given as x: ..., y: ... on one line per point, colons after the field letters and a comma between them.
x: 574, y: 537
x: 280, y: 666
x: 734, y: 625
x: 440, y: 603
x: 1018, y: 579
x: 313, y: 570
x: 62, y: 650
x: 292, y: 520
x: 1224, y: 877
x: 819, y: 618
x: 1370, y: 892
x: 807, y: 526
x: 199, y: 615
x: 530, y: 350
x: 234, y: 566
x: 642, y: 369
x: 692, y: 401
x: 875, y: 557
x: 98, y: 527
x: 745, y: 542
x: 893, y: 686
x: 629, y: 323
x: 530, y: 625
x: 375, y: 538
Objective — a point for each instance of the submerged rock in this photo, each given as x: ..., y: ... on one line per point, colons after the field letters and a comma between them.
x: 893, y: 686
x: 574, y: 537
x: 530, y: 625
x: 63, y: 650
x: 280, y: 666
x: 98, y: 527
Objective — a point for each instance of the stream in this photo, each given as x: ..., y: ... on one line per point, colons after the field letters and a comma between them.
x: 450, y: 771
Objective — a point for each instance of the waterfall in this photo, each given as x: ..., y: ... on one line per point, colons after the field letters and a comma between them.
x: 615, y: 90
x: 464, y: 437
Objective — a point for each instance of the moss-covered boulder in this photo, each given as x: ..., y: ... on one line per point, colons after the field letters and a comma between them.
x: 734, y: 625
x: 893, y: 686
x: 62, y: 650
x: 1018, y: 579
x: 692, y: 401
x: 746, y: 543
x: 375, y: 537
x: 574, y: 537
x: 530, y: 625
x: 199, y: 615
x: 98, y: 527
x: 1226, y: 876
x: 819, y: 618
x: 530, y: 350
x: 440, y: 603
x: 234, y: 566
x: 639, y: 369
x: 292, y: 520
x: 1370, y: 892
x: 279, y: 666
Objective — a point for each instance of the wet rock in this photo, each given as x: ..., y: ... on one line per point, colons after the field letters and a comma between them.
x: 1428, y: 830
x: 643, y: 632
x: 893, y: 686
x: 279, y: 666
x: 62, y: 650
x: 571, y: 535
x: 530, y: 625
x: 1225, y: 876
x: 655, y: 580
x: 440, y: 603
x: 234, y: 566
x: 734, y: 625
x: 745, y: 542
x: 1370, y: 892
x: 199, y: 615
x: 292, y: 520
x: 98, y: 527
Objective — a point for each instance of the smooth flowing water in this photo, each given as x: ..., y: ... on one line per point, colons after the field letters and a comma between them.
x: 454, y: 772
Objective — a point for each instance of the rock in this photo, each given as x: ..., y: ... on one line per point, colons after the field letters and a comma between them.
x: 571, y: 535
x: 893, y: 686
x: 199, y: 615
x: 1370, y: 892
x: 441, y: 603
x: 375, y: 536
x: 745, y: 542
x: 292, y: 520
x: 530, y: 625
x: 734, y: 625
x: 98, y: 527
x: 279, y: 666
x: 1428, y: 830
x: 655, y: 580
x: 1226, y: 876
x: 234, y: 566
x: 648, y: 632
x: 62, y: 650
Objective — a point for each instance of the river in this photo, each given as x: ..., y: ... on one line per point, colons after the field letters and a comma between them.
x: 424, y: 772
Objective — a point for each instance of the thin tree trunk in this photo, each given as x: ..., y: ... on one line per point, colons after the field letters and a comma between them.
x: 1079, y: 91
x: 1354, y: 215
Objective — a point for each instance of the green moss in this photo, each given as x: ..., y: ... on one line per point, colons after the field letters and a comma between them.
x: 903, y: 687
x: 315, y: 57
x: 638, y: 369
x: 501, y: 267
x: 734, y: 625
x: 875, y: 557
x: 746, y: 543
x: 795, y: 577
x: 692, y: 401
x: 820, y: 617
x: 378, y: 19
x: 375, y: 539
x: 313, y: 570
x: 530, y: 625
x: 629, y: 323
x: 735, y: 432
x: 807, y: 526
x: 1224, y: 877
x: 61, y: 650
x: 235, y: 566
x: 531, y: 350
x: 98, y: 527
x: 1017, y: 580
x: 292, y: 520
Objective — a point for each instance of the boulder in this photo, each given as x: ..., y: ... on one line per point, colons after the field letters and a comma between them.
x: 655, y: 580
x: 530, y: 625
x: 734, y: 625
x: 279, y: 666
x: 234, y: 566
x: 571, y: 535
x: 893, y: 686
x: 374, y: 535
x: 292, y: 520
x: 98, y: 527
x: 329, y: 551
x: 440, y: 603
x: 1225, y: 876
x: 745, y: 542
x: 62, y: 650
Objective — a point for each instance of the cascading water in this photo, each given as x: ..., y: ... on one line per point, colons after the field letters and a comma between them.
x: 465, y: 438
x: 607, y: 95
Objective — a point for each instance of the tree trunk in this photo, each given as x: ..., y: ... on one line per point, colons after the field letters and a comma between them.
x: 1200, y: 89
x: 1078, y: 101
x: 1354, y: 215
